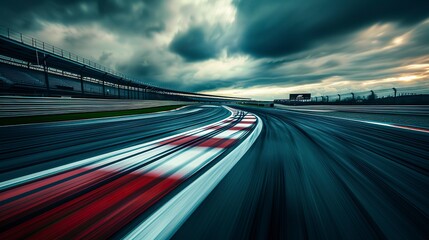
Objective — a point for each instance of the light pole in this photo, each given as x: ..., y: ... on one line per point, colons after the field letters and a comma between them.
x: 395, y: 91
x: 339, y: 97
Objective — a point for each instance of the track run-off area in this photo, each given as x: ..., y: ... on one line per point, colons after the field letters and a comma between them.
x: 214, y: 172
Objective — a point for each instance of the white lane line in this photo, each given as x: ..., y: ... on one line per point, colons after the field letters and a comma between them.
x: 372, y: 122
x: 209, y: 106
x: 230, y: 134
x: 189, y: 161
x: 108, y: 119
x: 141, y: 158
x: 244, y: 125
x: 112, y: 156
x: 204, y: 133
x: 105, y: 158
x: 398, y: 126
x: 163, y: 223
x: 311, y: 110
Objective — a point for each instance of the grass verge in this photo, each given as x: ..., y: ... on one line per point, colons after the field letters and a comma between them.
x: 77, y: 116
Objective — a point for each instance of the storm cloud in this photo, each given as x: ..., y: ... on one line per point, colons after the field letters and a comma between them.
x: 275, y: 28
x: 240, y: 47
x: 194, y: 45
x: 122, y: 16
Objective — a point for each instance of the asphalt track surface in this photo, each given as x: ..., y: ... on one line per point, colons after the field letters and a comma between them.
x: 420, y: 110
x: 207, y: 172
x: 14, y: 106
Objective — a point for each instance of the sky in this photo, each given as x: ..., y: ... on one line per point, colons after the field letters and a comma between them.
x: 263, y: 49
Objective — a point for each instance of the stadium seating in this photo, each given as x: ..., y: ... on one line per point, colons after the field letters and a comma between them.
x: 93, y: 88
x: 14, y: 78
x: 21, y: 76
x: 64, y: 83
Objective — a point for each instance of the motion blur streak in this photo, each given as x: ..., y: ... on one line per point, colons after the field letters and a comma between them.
x: 98, y: 196
x: 166, y: 221
x: 211, y: 172
x: 310, y: 176
x: 410, y: 128
x: 379, y: 123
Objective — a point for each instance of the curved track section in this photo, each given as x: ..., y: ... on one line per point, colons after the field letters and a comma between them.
x: 316, y: 177
x: 210, y: 172
x: 165, y: 160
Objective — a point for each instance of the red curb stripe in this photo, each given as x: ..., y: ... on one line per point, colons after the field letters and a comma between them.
x: 218, y: 143
x: 37, y: 184
x: 24, y: 206
x: 101, y: 212
x: 211, y: 142
x: 232, y: 128
x: 44, y: 220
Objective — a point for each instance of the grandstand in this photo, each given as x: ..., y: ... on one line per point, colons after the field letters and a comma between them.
x: 32, y: 67
x: 19, y: 77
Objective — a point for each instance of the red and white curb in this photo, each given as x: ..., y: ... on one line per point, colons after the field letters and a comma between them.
x: 166, y: 220
x: 96, y: 197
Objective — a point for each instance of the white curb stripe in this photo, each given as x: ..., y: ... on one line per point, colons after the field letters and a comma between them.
x: 166, y: 220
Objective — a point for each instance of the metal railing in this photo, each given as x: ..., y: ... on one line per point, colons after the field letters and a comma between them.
x: 418, y: 94
x: 44, y: 46
x: 369, y: 95
x: 126, y: 80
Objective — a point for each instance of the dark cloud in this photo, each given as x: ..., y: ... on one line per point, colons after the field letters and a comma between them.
x: 258, y: 80
x: 194, y: 45
x: 331, y: 64
x: 139, y: 17
x: 144, y: 72
x: 347, y: 60
x: 27, y: 15
x: 289, y: 42
x: 104, y: 57
x: 276, y: 28
x: 414, y: 46
x: 139, y: 67
x: 271, y: 64
x: 75, y: 41
x: 207, y: 86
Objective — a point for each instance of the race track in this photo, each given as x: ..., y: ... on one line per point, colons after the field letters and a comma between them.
x: 211, y: 172
x: 310, y: 176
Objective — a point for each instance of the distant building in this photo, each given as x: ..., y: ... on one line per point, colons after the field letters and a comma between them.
x: 300, y: 96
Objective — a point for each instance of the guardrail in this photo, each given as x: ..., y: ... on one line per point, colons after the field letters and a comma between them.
x: 372, y: 95
x: 41, y: 45
x: 395, y: 95
x: 122, y: 81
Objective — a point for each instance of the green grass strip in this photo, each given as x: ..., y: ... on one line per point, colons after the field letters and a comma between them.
x: 77, y: 116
